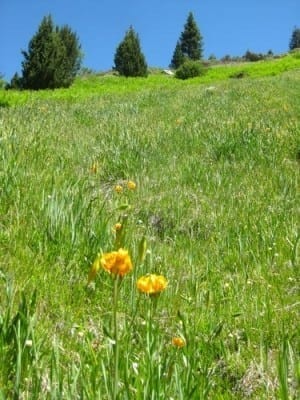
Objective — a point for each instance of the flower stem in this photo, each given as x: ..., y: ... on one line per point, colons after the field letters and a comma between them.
x: 116, y: 339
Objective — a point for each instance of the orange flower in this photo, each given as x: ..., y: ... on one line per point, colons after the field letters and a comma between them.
x: 117, y: 262
x: 131, y: 185
x: 177, y: 341
x: 118, y: 189
x: 152, y: 284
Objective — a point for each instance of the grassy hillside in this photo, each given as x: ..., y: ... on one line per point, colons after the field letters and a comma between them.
x: 215, y: 210
x: 107, y: 84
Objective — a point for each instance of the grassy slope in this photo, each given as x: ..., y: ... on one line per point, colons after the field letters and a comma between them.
x: 109, y: 84
x: 218, y: 200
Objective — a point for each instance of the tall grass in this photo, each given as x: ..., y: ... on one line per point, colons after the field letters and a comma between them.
x: 215, y: 210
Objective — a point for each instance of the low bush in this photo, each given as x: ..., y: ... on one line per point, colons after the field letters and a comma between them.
x: 190, y: 69
x: 239, y: 74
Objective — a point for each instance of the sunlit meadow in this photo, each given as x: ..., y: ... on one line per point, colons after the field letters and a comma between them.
x: 149, y: 237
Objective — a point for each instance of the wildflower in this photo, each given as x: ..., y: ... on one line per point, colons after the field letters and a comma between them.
x: 177, y: 341
x: 118, y: 189
x: 131, y: 185
x: 117, y: 262
x: 118, y: 226
x: 152, y: 284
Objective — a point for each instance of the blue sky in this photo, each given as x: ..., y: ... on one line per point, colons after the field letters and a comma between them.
x: 227, y: 26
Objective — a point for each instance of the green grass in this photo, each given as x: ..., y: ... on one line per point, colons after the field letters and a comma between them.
x: 217, y: 199
x: 107, y: 84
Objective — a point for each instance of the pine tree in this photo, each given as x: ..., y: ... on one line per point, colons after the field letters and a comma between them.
x: 68, y: 56
x: 178, y: 56
x: 190, y: 44
x: 295, y: 39
x: 191, y: 39
x: 36, y: 61
x: 15, y: 83
x: 53, y: 57
x: 129, y: 59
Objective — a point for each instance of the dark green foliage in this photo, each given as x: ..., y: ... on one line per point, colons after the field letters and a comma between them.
x: 178, y: 57
x: 15, y: 83
x: 129, y: 59
x: 190, y: 44
x: 212, y: 58
x: 239, y: 74
x: 295, y: 39
x: 190, y: 69
x: 250, y: 56
x: 53, y: 57
x: 191, y: 39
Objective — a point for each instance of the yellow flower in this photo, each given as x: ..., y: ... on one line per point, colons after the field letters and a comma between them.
x: 118, y: 226
x: 131, y: 185
x: 118, y: 189
x: 94, y: 269
x: 117, y: 262
x: 152, y: 284
x: 178, y: 341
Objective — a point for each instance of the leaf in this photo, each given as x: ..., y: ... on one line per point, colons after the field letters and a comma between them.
x: 142, y: 249
x: 217, y: 330
x: 94, y: 269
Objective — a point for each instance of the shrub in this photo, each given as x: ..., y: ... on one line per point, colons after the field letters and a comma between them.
x: 250, y: 56
x: 239, y: 74
x: 190, y: 69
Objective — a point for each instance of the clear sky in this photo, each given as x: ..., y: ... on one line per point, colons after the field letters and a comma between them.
x: 227, y: 26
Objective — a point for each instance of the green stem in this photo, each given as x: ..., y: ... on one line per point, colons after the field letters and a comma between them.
x: 116, y: 339
x: 150, y: 343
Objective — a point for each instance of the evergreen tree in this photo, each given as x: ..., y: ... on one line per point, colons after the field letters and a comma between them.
x: 178, y: 57
x: 15, y: 83
x: 53, y: 57
x: 191, y: 39
x: 295, y: 39
x: 189, y: 45
x: 129, y: 59
x: 70, y: 55
x: 35, y: 67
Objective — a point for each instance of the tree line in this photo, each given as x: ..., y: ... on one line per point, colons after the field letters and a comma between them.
x: 54, y: 56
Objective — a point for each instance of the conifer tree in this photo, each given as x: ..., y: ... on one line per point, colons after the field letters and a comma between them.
x: 53, y: 57
x: 15, y: 83
x: 295, y: 39
x: 190, y: 43
x: 178, y: 56
x: 191, y: 39
x: 129, y: 59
